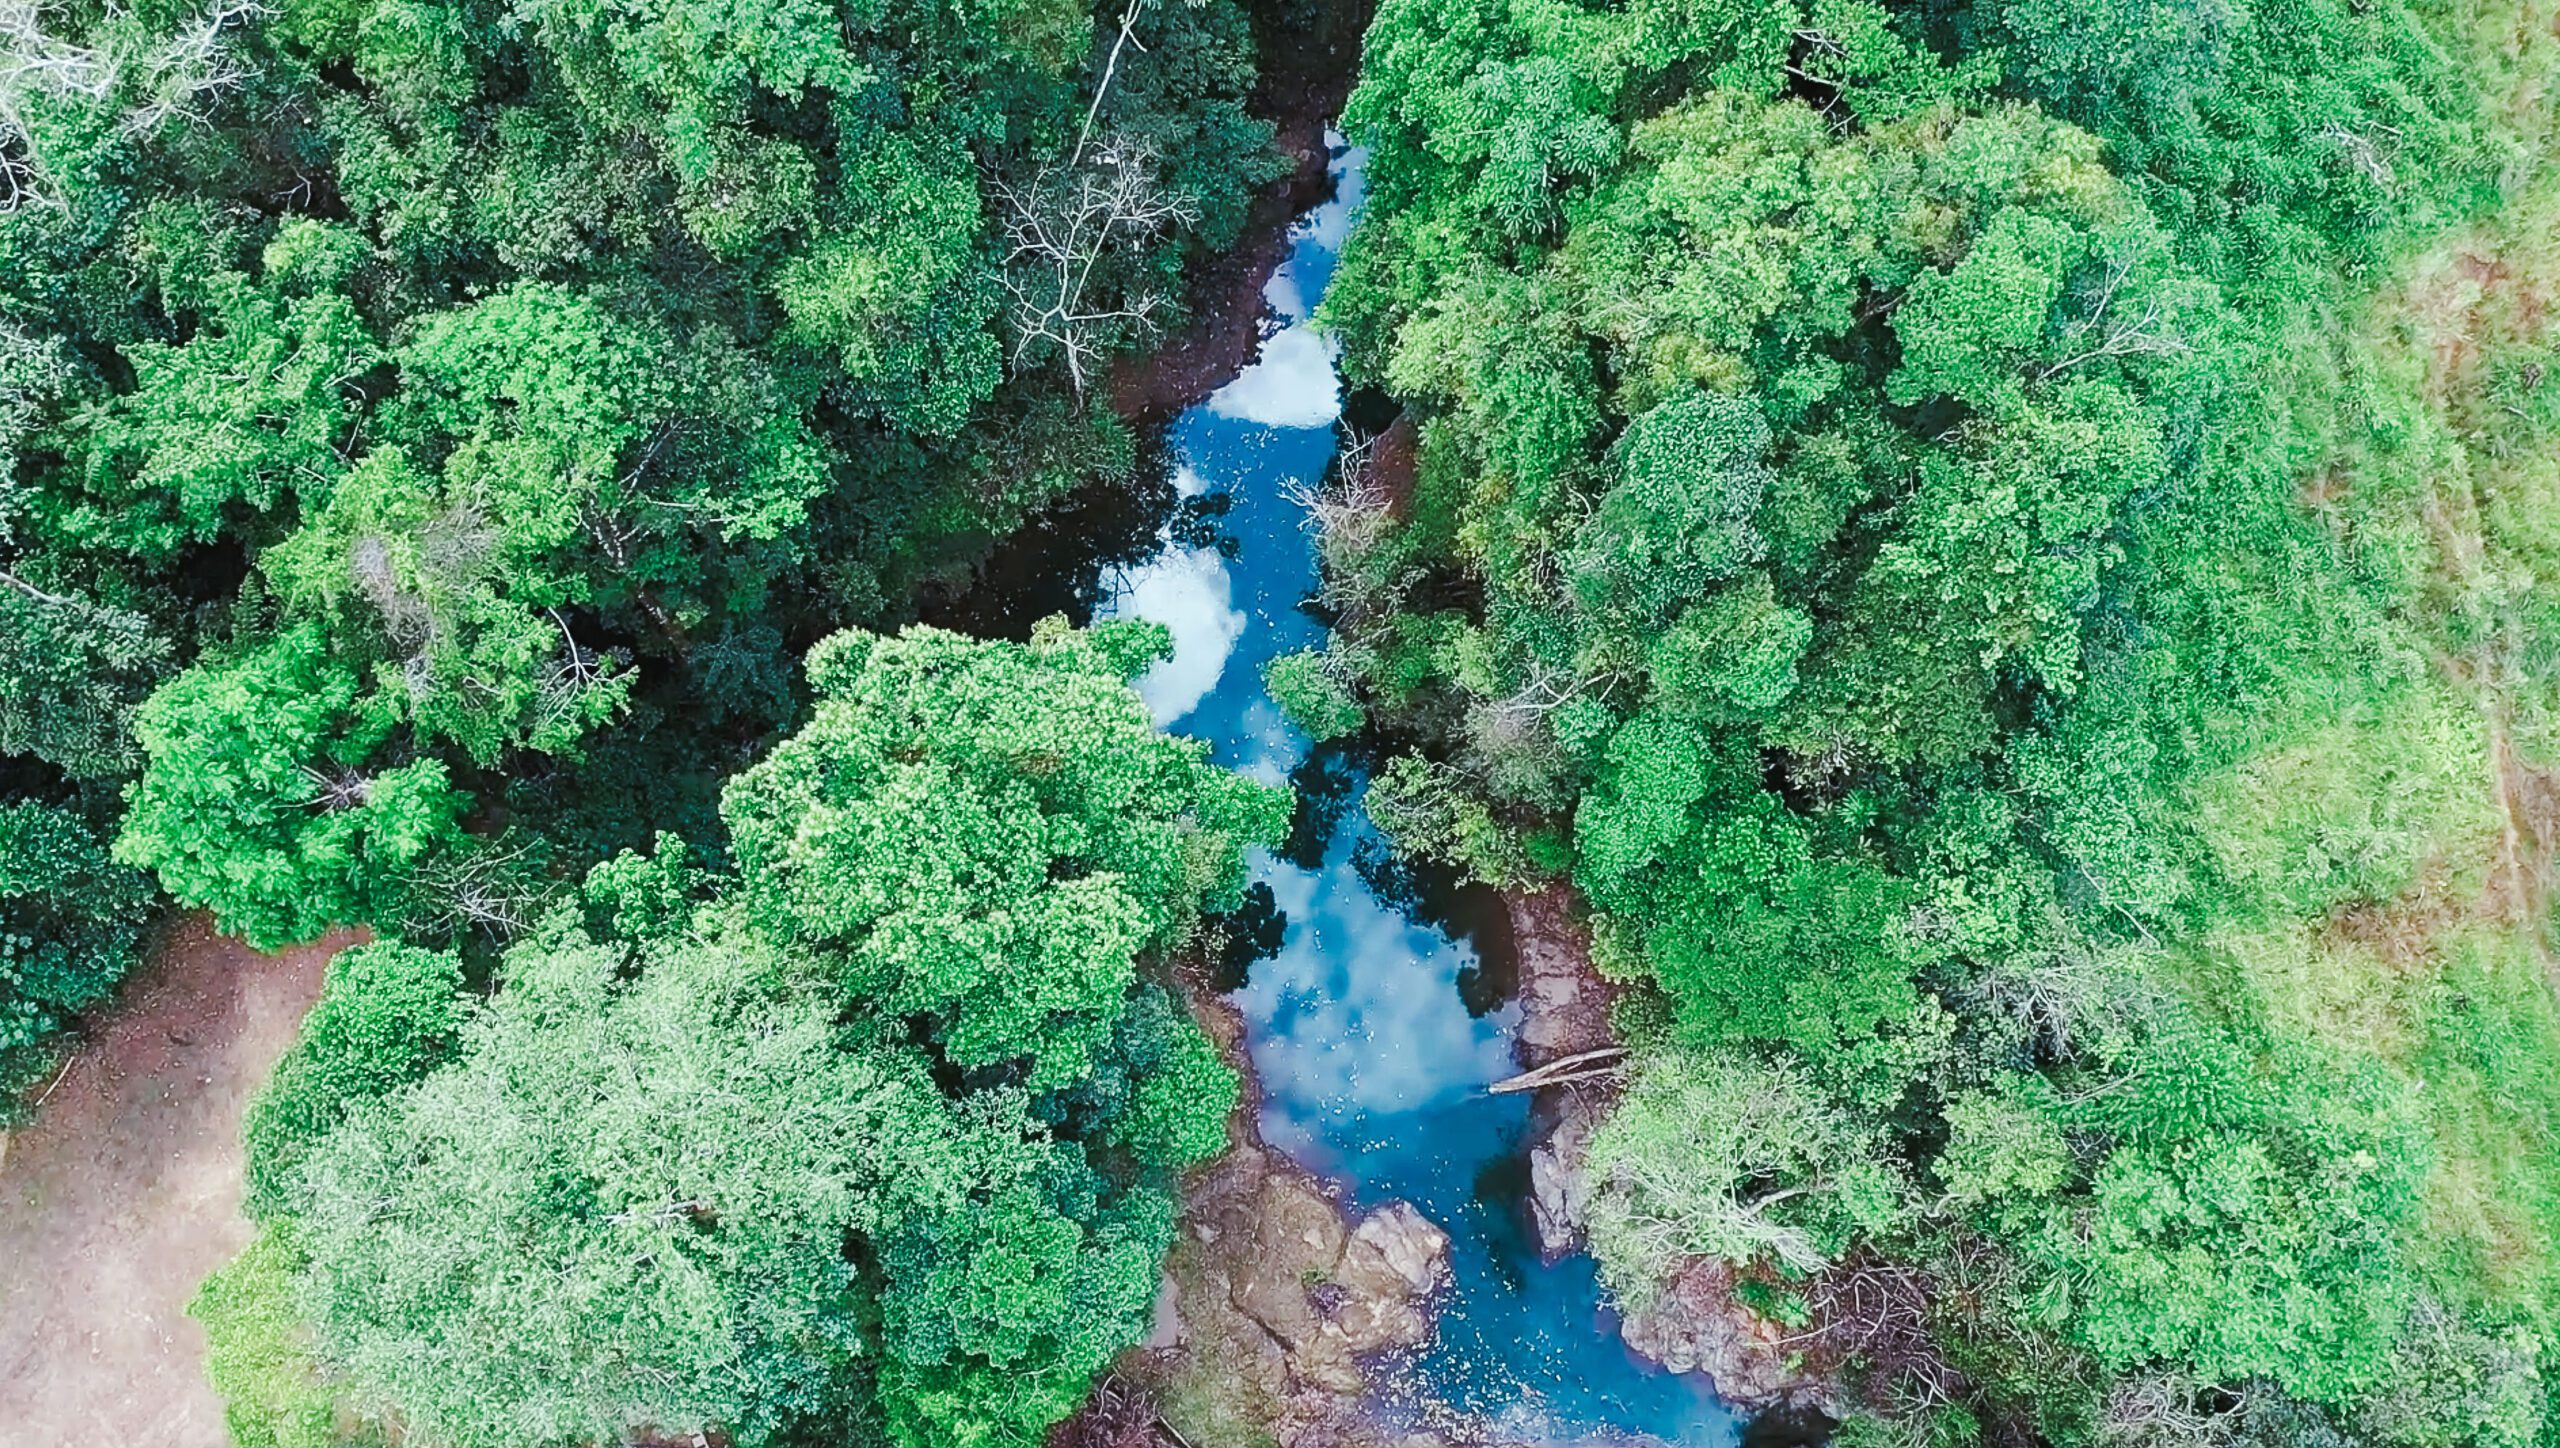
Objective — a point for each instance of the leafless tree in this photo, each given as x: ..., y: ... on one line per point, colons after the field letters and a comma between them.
x: 1548, y: 688
x: 32, y: 371
x: 1118, y: 1413
x: 1349, y: 510
x: 448, y: 555
x: 2107, y: 327
x: 2364, y: 153
x: 490, y: 889
x: 2161, y: 1411
x: 1350, y: 497
x: 1060, y: 227
x: 2065, y: 1002
x: 150, y: 84
x: 612, y: 516
x: 561, y: 704
x: 1878, y: 1313
x: 338, y: 789
x: 1120, y: 44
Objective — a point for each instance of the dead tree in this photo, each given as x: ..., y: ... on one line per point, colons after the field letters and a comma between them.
x: 1878, y: 1314
x: 147, y: 85
x: 1061, y: 227
x: 2110, y: 328
x: 1564, y: 1071
x: 1110, y: 67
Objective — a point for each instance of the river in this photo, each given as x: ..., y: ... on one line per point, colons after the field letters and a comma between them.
x: 1373, y: 1029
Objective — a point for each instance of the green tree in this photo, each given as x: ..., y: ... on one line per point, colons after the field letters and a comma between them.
x: 269, y: 800
x: 693, y: 1163
x: 988, y: 836
x: 72, y: 672
x: 71, y: 924
x: 1306, y: 690
x: 683, y: 1154
x: 388, y: 1014
x: 258, y: 1351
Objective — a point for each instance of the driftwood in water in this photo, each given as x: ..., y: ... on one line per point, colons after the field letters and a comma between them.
x: 1580, y: 1066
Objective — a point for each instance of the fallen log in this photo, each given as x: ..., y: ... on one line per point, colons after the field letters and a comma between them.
x: 1580, y: 1066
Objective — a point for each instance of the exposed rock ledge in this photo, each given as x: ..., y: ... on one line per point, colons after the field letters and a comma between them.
x: 1275, y: 1302
x: 1564, y: 1011
x: 1694, y: 1324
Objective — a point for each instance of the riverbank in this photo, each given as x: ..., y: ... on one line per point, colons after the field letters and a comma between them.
x: 1374, y: 1023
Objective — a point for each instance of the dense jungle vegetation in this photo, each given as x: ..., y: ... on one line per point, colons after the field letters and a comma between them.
x: 447, y: 444
x: 2002, y: 549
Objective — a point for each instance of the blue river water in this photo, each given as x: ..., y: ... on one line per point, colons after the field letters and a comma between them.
x: 1370, y: 1028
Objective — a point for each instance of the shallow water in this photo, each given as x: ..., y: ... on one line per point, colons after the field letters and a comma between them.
x: 1372, y: 1061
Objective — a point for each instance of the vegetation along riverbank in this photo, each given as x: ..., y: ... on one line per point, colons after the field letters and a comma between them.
x: 1974, y: 578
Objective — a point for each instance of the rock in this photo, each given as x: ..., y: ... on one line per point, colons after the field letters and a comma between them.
x: 1408, y: 1243
x: 1695, y: 1324
x: 1395, y: 1259
x: 1564, y: 1011
x: 1559, y: 1185
x: 1564, y: 1002
x: 1166, y: 1331
x: 1278, y: 1301
x: 1296, y: 1240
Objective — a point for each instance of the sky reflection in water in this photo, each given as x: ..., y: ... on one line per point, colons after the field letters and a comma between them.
x: 1372, y: 1065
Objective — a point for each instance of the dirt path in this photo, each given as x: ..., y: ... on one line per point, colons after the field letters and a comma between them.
x: 125, y: 1191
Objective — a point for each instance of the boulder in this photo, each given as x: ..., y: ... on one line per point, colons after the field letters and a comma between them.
x: 1278, y: 1302
x: 1696, y: 1324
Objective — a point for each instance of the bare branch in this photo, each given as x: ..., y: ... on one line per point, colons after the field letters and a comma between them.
x: 1059, y: 226
x: 1128, y: 36
x: 153, y: 87
x: 31, y: 591
x: 2105, y: 331
x: 345, y: 789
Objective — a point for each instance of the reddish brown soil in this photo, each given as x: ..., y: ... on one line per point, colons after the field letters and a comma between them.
x: 124, y: 1191
x: 1307, y: 74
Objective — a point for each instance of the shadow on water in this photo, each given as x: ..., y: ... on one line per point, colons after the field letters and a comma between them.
x: 1377, y: 995
x: 1067, y: 558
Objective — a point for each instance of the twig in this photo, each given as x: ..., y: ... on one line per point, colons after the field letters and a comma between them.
x: 57, y: 1080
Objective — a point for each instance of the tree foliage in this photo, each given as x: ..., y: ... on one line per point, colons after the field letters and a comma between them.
x: 1858, y: 537
x: 872, y: 1133
x: 436, y: 412
x: 71, y: 923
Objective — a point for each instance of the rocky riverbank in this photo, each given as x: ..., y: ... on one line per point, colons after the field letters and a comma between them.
x: 1695, y: 1323
x: 1564, y: 1013
x: 1275, y: 1301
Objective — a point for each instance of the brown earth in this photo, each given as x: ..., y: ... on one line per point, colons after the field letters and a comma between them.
x: 1308, y: 65
x: 2481, y: 295
x: 124, y: 1191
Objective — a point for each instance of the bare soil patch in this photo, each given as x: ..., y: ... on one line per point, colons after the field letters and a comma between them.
x: 124, y: 1191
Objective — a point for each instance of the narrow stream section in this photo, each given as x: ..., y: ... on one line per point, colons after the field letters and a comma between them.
x: 1372, y: 1031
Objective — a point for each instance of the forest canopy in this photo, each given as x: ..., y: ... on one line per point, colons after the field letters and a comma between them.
x: 873, y: 1133
x: 433, y: 434
x: 1996, y: 551
x: 1856, y: 535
